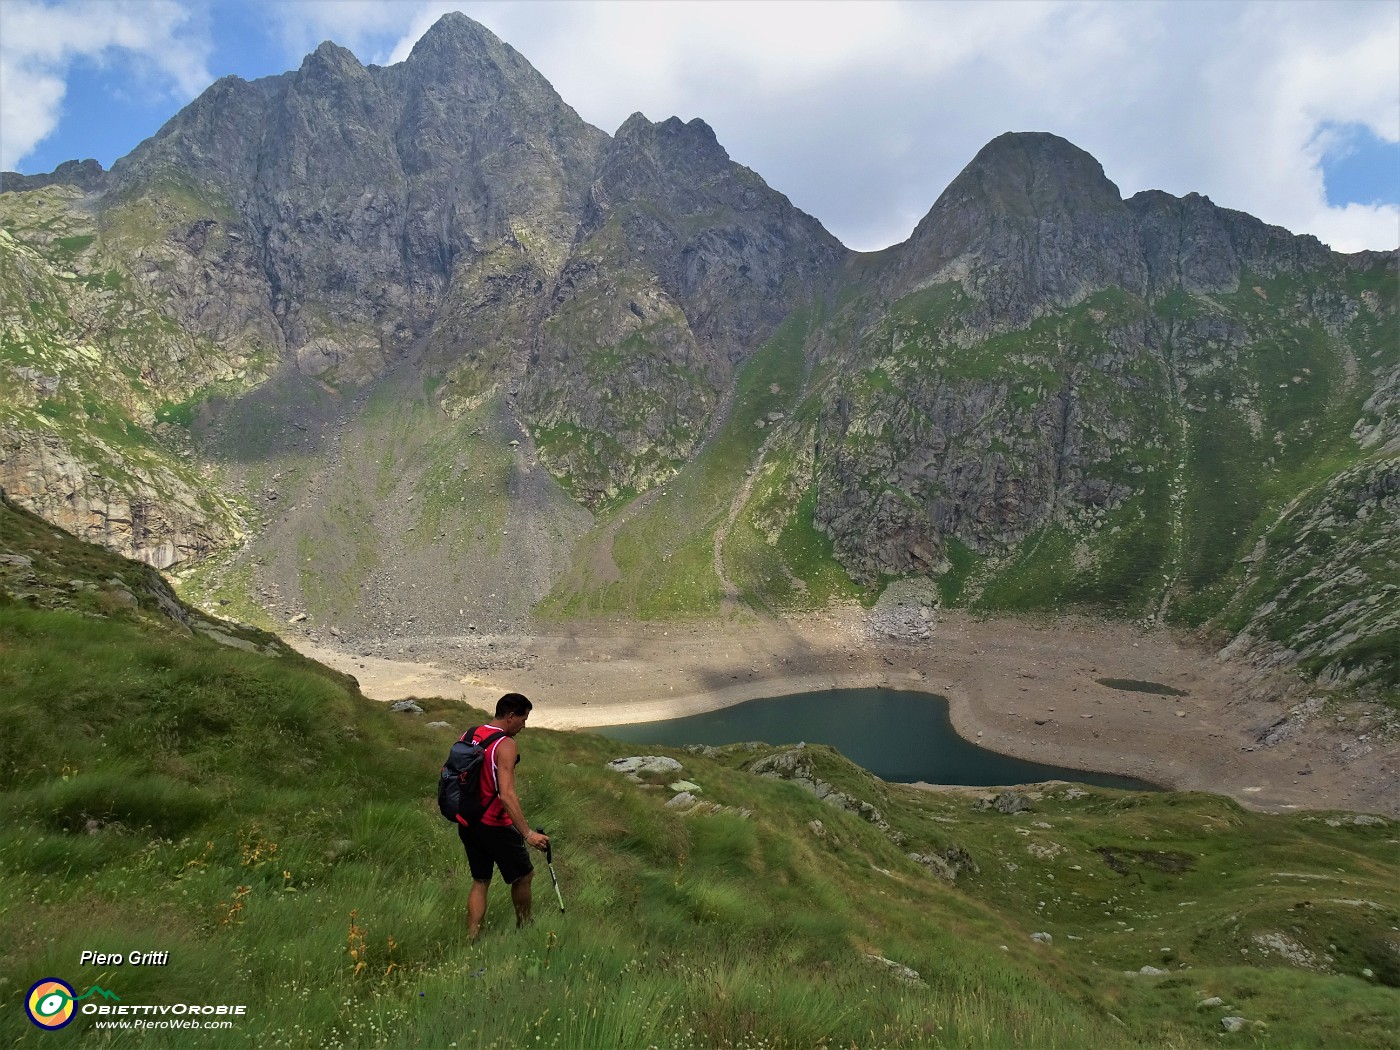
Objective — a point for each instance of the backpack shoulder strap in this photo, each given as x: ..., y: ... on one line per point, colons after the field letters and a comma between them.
x: 487, y: 741
x: 469, y: 737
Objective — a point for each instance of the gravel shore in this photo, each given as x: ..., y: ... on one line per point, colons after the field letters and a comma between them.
x: 1027, y: 689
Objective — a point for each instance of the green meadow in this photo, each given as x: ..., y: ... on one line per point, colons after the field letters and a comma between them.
x: 184, y: 786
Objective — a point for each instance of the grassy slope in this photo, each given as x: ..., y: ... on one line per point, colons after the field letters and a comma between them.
x: 1253, y: 426
x: 1262, y: 427
x: 260, y: 820
x: 1324, y: 581
x: 397, y: 487
x: 665, y: 553
x: 1306, y: 399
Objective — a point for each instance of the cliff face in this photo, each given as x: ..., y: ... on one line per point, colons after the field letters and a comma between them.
x: 684, y: 263
x: 419, y: 324
x: 151, y: 514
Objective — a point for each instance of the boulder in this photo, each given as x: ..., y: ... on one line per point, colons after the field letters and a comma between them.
x: 900, y: 972
x: 949, y: 864
x: 642, y: 764
x: 1007, y: 802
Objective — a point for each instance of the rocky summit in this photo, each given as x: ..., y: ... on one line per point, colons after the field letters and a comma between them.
x: 413, y: 349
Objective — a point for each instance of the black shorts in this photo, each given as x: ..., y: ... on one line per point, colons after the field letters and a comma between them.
x: 488, y: 845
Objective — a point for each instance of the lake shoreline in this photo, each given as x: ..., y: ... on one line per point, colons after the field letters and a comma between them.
x: 902, y: 736
x: 1026, y: 689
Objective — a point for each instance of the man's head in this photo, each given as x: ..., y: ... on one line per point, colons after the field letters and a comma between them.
x: 511, y: 712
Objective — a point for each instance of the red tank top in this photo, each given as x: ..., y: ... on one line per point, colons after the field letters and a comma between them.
x: 495, y: 813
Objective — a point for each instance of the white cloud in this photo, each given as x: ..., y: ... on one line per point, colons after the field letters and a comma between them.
x: 1355, y: 227
x: 366, y: 27
x: 29, y: 108
x: 40, y: 42
x: 1280, y: 75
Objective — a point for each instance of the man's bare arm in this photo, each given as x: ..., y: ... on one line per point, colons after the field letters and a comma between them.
x: 505, y: 787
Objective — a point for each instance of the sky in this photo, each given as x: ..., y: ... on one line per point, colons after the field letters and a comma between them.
x: 861, y: 113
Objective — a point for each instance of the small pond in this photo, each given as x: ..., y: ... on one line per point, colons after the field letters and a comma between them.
x: 899, y: 736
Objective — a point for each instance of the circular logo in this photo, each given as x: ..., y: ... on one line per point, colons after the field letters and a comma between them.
x: 50, y: 1003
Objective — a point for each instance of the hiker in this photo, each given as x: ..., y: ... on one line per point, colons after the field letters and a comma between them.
x: 499, y: 838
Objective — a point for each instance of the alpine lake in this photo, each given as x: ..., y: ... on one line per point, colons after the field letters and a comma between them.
x: 900, y: 736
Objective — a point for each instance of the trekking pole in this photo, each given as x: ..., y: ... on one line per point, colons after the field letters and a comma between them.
x: 549, y: 863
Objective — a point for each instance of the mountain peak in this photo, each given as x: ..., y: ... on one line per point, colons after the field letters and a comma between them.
x: 1032, y: 173
x: 461, y: 57
x: 456, y: 34
x: 636, y: 124
x: 1033, y: 221
x: 691, y: 143
x: 1045, y: 142
x: 329, y: 49
x: 695, y: 128
x: 330, y: 57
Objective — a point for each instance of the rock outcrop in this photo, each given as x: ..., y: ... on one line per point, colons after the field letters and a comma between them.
x: 150, y: 515
x: 797, y: 766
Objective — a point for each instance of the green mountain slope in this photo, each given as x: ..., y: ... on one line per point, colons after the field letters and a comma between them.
x: 172, y: 784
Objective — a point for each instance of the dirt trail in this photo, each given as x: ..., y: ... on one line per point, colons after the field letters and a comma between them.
x: 603, y: 566
x: 1027, y: 690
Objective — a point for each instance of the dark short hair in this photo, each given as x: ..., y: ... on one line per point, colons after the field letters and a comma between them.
x: 513, y: 704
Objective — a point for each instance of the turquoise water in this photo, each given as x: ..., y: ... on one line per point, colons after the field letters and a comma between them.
x: 899, y: 736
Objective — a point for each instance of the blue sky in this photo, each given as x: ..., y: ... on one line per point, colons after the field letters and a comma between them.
x: 1361, y: 167
x: 861, y: 113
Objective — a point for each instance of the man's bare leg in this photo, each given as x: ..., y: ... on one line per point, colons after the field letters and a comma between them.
x: 520, y: 897
x: 476, y: 908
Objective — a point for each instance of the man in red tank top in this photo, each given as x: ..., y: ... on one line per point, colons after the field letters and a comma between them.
x: 499, y: 839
